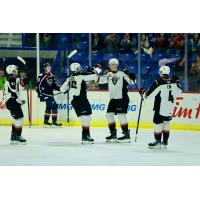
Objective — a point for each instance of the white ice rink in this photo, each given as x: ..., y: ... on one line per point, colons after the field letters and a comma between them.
x: 61, y: 146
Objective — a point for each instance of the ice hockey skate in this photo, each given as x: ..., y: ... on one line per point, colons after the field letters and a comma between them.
x: 47, y: 124
x: 86, y: 139
x: 14, y: 140
x: 125, y: 138
x: 112, y: 138
x: 56, y: 125
x: 164, y: 144
x: 155, y: 145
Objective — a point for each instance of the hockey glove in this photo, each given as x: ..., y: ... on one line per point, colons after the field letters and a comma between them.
x: 142, y: 91
x: 22, y: 102
x: 41, y: 97
x: 132, y: 76
x: 175, y: 78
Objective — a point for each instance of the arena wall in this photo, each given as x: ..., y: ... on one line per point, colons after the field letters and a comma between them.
x: 186, y: 114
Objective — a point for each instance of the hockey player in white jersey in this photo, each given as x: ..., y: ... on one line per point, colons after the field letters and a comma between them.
x: 76, y: 85
x: 13, y: 101
x: 117, y: 84
x: 165, y: 91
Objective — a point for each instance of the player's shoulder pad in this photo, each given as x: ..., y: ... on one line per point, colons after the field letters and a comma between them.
x: 157, y: 82
x: 12, y: 78
x: 41, y: 75
x: 52, y: 75
x: 85, y: 73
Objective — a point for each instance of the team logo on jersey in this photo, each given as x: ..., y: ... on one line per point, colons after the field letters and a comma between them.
x: 50, y: 81
x: 115, y: 79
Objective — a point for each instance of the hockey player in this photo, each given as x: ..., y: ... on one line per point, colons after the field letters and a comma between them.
x: 165, y: 91
x: 45, y: 85
x: 76, y: 85
x: 13, y: 101
x: 117, y: 83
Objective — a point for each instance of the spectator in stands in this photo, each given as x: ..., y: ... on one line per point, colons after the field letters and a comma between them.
x: 2, y: 79
x: 128, y: 43
x: 145, y: 41
x: 28, y: 82
x: 177, y: 43
x: 111, y: 42
x: 194, y: 78
x: 97, y: 42
x: 161, y: 43
x: 30, y: 39
x: 180, y: 67
x: 195, y: 69
x: 75, y: 39
x: 47, y: 41
x: 195, y: 43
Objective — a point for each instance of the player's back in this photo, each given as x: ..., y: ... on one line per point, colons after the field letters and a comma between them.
x: 165, y: 93
x: 77, y: 85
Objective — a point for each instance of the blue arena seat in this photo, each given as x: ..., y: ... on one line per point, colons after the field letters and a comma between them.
x: 83, y: 46
x: 108, y: 56
x: 126, y: 57
x: 159, y: 56
x: 79, y: 57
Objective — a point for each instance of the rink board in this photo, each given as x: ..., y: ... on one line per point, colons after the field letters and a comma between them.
x: 186, y: 111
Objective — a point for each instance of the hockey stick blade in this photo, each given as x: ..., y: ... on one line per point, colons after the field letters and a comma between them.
x: 72, y: 53
x: 21, y: 59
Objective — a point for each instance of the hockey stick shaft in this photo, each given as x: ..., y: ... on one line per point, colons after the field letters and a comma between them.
x: 138, y: 121
x: 28, y: 103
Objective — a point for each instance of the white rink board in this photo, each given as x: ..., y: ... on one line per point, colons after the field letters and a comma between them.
x: 99, y: 101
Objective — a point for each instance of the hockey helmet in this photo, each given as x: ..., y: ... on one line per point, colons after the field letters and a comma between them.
x: 113, y: 61
x: 164, y: 70
x: 11, y: 69
x: 75, y: 67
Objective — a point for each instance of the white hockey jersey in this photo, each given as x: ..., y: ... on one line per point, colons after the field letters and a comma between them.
x: 76, y: 84
x: 165, y: 93
x: 117, y: 84
x: 12, y: 88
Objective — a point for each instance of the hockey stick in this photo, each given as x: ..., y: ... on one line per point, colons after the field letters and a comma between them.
x: 28, y: 103
x: 61, y: 93
x: 141, y: 101
x: 69, y: 56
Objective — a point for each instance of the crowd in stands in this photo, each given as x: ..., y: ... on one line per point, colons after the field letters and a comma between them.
x: 163, y: 45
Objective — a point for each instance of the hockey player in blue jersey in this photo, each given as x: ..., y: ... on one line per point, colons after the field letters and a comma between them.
x: 46, y: 83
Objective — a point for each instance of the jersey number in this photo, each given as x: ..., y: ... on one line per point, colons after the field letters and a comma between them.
x: 73, y: 84
x: 171, y: 98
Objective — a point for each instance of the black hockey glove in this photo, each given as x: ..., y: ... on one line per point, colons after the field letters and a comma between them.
x: 42, y: 97
x: 175, y: 78
x: 132, y: 76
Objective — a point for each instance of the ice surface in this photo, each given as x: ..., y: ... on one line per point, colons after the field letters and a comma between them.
x: 61, y: 146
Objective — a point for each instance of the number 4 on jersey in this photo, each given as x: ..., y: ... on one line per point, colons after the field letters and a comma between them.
x: 171, y: 98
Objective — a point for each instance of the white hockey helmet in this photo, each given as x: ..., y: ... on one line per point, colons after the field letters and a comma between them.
x: 11, y: 69
x: 164, y: 70
x: 75, y: 67
x: 113, y: 61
